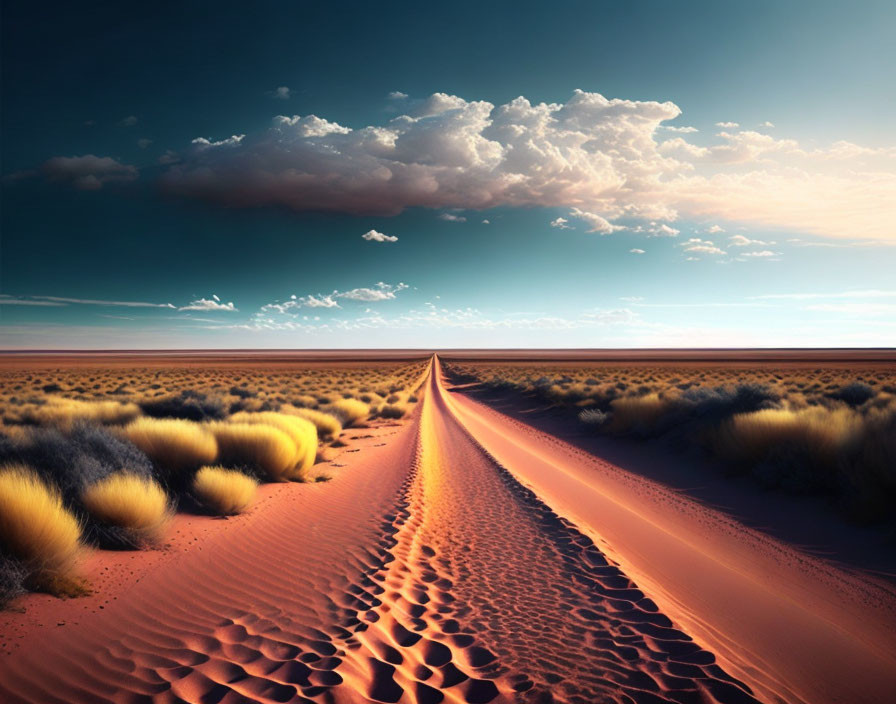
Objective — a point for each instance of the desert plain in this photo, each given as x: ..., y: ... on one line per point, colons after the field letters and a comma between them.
x: 463, y: 526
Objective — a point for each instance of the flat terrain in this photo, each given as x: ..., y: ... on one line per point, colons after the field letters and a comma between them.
x: 461, y: 556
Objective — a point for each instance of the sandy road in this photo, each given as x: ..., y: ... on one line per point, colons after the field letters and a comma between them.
x: 467, y: 559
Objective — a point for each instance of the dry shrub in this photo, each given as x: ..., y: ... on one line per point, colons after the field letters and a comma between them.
x: 64, y: 412
x: 258, y: 447
x: 136, y: 504
x: 348, y: 410
x: 821, y: 433
x: 637, y: 413
x: 174, y: 445
x: 328, y: 426
x: 300, y: 430
x: 188, y: 404
x: 35, y: 527
x: 393, y: 410
x: 304, y: 401
x: 224, y: 492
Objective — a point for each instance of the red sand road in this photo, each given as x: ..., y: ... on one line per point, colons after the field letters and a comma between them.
x: 469, y: 559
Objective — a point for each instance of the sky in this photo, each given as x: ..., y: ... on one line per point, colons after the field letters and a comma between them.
x: 567, y: 174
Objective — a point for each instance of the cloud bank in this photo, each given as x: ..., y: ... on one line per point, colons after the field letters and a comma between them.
x: 88, y: 172
x: 605, y: 157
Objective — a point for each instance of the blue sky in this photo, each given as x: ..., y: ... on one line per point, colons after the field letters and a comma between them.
x: 717, y: 174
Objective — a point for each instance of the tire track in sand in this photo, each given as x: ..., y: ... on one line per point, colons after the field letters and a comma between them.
x: 489, y: 596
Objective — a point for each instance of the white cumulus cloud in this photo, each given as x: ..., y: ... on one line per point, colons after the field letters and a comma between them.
x: 695, y: 245
x: 594, y: 222
x: 561, y: 224
x: 606, y: 157
x: 374, y: 236
x: 210, y: 304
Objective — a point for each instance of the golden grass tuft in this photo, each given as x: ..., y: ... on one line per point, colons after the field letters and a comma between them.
x: 36, y: 528
x: 137, y: 504
x: 264, y: 448
x: 636, y: 412
x: 328, y: 426
x: 300, y: 430
x: 224, y: 492
x: 822, y: 433
x: 348, y: 410
x: 173, y: 444
x: 64, y: 412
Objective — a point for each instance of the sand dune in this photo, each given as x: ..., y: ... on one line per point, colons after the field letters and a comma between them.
x: 464, y: 558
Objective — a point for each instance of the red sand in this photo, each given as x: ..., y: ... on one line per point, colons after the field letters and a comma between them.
x: 470, y: 558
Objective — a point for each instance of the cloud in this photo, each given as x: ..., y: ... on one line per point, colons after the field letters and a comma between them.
x: 451, y: 217
x: 169, y: 157
x: 446, y: 152
x: 379, y: 292
x: 698, y: 246
x: 680, y: 130
x: 869, y: 309
x: 561, y: 224
x: 766, y: 124
x: 486, y: 222
x: 397, y: 95
x: 656, y: 229
x: 741, y: 241
x: 210, y: 304
x: 595, y: 222
x: 729, y: 125
x: 601, y: 156
x: 374, y: 236
x: 762, y: 254
x: 714, y: 229
x: 88, y: 172
x: 281, y: 93
x: 202, y: 143
x: 636, y: 251
x: 63, y: 300
x: 7, y: 300
x: 866, y: 293
x: 129, y: 121
x: 663, y: 230
x: 143, y: 143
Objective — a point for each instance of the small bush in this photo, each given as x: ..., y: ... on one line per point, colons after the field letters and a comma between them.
x: 393, y: 410
x: 593, y: 418
x: 75, y: 460
x: 135, y: 504
x: 187, y: 405
x: 63, y: 413
x: 328, y: 426
x: 637, y: 414
x: 35, y: 527
x: 177, y: 447
x: 820, y: 433
x: 300, y: 430
x: 854, y: 394
x: 348, y: 410
x: 262, y: 448
x: 223, y: 492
